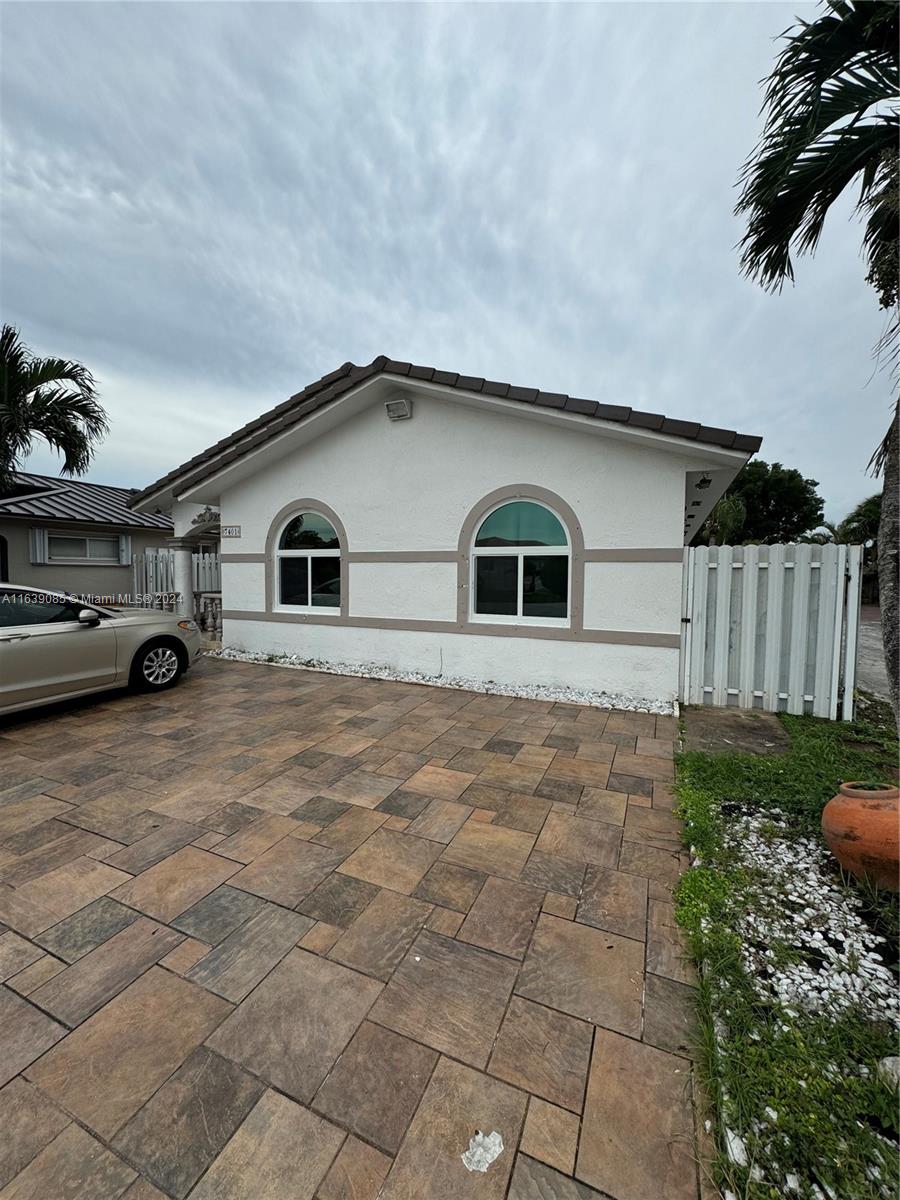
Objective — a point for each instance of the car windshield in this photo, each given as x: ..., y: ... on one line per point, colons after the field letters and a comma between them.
x: 23, y: 607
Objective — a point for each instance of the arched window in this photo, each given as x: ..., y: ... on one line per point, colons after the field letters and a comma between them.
x: 521, y: 565
x: 308, y: 563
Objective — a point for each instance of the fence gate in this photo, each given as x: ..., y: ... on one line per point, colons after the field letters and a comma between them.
x: 771, y: 627
x: 154, y: 572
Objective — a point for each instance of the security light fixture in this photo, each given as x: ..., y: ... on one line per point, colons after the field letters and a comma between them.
x: 398, y: 410
x: 704, y: 483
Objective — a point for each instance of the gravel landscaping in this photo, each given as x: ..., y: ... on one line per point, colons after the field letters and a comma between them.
x: 798, y: 995
x: 371, y: 670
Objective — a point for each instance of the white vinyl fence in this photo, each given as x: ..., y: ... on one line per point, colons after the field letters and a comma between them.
x: 771, y: 627
x: 154, y: 572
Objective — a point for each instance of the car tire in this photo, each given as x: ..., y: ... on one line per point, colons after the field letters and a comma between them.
x: 157, y: 666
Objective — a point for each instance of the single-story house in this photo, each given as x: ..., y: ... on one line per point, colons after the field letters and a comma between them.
x: 74, y: 536
x: 444, y: 524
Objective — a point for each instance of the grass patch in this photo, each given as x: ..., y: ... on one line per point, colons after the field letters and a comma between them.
x: 822, y: 756
x: 802, y: 1110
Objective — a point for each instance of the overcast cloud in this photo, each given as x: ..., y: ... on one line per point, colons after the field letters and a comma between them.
x: 213, y: 204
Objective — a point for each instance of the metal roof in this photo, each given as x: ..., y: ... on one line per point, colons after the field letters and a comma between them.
x: 49, y: 498
x: 337, y: 383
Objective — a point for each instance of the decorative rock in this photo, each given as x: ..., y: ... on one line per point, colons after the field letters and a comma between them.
x: 889, y: 1071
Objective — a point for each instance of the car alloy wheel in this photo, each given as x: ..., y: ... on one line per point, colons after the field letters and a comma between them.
x: 160, y: 666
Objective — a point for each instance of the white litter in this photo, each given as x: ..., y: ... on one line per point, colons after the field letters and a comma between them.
x: 483, y: 1150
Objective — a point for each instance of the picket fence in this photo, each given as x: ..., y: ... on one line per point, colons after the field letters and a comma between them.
x: 154, y: 573
x: 771, y: 627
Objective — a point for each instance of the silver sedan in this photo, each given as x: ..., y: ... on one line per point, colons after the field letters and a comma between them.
x: 53, y: 646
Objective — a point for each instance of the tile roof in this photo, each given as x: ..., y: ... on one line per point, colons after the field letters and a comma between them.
x: 48, y: 498
x: 348, y: 376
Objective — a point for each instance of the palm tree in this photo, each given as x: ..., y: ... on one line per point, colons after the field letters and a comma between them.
x: 725, y: 521
x: 858, y: 528
x: 829, y: 124
x: 861, y: 523
x: 49, y: 398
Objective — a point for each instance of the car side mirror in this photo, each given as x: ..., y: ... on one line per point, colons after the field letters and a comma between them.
x: 88, y: 616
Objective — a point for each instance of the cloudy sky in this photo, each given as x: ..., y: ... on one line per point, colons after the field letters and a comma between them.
x: 213, y: 204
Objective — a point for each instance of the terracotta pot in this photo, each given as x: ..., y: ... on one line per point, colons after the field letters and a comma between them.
x: 862, y: 830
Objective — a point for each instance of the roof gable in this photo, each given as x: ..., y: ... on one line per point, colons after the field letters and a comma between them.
x: 349, y: 376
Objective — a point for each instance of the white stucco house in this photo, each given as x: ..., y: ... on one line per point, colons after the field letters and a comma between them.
x: 438, y: 523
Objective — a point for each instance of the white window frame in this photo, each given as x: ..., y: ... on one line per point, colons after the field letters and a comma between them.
x: 87, y: 560
x: 324, y: 609
x: 521, y: 553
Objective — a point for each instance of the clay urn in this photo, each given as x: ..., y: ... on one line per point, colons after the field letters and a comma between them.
x: 862, y: 830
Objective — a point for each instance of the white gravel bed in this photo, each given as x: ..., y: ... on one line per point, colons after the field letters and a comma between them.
x: 805, y: 943
x: 371, y: 670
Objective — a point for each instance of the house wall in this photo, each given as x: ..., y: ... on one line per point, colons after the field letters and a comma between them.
x: 95, y: 579
x: 403, y: 492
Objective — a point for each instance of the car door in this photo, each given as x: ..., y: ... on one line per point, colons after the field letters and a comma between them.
x: 46, y: 652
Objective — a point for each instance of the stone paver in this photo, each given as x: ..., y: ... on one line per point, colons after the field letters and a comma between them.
x: 550, y: 1135
x: 586, y: 972
x: 376, y: 1085
x: 543, y: 1051
x: 282, y: 934
x: 458, y: 1102
x: 636, y: 1132
x: 280, y: 1150
x: 292, y: 1027
x: 180, y: 1130
x: 29, y: 1123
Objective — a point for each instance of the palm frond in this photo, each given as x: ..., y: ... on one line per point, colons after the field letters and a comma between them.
x: 43, y: 371
x: 878, y: 461
x: 827, y: 124
x: 51, y: 398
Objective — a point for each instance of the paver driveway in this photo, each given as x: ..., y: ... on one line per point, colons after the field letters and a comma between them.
x: 278, y: 935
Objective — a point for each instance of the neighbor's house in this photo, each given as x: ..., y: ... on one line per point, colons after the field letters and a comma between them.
x: 68, y: 535
x: 445, y: 524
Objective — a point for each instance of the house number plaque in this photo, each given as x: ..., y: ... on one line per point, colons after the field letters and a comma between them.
x: 231, y: 531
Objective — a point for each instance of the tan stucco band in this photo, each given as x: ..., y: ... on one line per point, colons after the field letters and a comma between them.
x: 673, y: 555
x: 297, y: 506
x: 520, y: 491
x: 388, y: 556
x: 631, y: 554
x: 573, y: 630
x: 618, y: 637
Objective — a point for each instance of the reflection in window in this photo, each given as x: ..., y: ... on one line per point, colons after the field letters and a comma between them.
x: 511, y: 580
x: 309, y: 531
x: 308, y: 563
x: 521, y: 523
x: 61, y: 548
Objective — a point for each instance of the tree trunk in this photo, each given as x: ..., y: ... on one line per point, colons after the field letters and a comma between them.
x: 889, y: 561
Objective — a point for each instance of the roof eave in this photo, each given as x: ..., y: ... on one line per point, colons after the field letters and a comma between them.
x: 348, y: 378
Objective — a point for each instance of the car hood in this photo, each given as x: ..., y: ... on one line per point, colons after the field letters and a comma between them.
x: 144, y: 616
